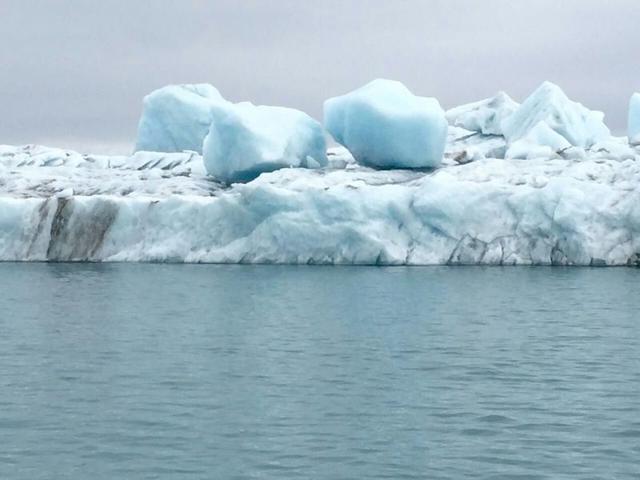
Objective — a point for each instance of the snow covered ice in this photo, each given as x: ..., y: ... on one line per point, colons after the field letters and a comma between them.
x: 580, y: 126
x: 60, y: 205
x: 539, y: 142
x: 384, y: 125
x: 546, y: 125
x: 176, y: 118
x: 634, y: 119
x: 485, y: 116
x: 245, y: 140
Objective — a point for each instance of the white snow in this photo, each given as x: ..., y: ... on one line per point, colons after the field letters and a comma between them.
x: 384, y: 125
x: 176, y: 118
x: 245, y: 140
x: 484, y: 116
x: 580, y: 126
x: 58, y: 205
x: 634, y: 119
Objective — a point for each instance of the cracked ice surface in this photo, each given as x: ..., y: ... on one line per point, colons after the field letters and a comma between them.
x: 60, y: 205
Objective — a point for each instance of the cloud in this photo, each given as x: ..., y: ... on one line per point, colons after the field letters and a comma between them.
x: 76, y: 71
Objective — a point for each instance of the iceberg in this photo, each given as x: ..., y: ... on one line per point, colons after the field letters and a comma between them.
x: 575, y: 201
x: 176, y: 118
x: 485, y: 116
x: 634, y: 119
x: 580, y: 126
x: 245, y: 140
x: 384, y: 125
x: 57, y: 205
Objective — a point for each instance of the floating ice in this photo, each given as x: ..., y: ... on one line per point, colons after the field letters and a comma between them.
x: 484, y: 116
x: 384, y: 125
x: 176, y: 118
x: 634, y: 119
x: 58, y: 205
x: 580, y: 126
x: 245, y: 140
x: 575, y: 201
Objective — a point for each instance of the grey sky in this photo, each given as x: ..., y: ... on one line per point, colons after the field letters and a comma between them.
x: 74, y: 72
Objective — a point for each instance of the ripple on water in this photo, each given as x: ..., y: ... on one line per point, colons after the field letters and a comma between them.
x: 186, y: 371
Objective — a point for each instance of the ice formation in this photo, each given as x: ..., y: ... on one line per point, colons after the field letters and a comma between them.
x: 245, y: 140
x: 176, y: 118
x: 385, y: 126
x: 546, y: 125
x: 634, y: 119
x: 484, y: 116
x: 539, y: 142
x: 580, y: 126
x: 58, y: 205
x: 574, y: 200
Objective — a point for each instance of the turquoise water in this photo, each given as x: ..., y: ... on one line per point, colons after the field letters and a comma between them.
x: 233, y: 372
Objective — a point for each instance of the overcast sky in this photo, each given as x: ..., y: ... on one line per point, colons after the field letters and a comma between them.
x: 74, y: 71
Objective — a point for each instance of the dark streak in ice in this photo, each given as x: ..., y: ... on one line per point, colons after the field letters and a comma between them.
x: 77, y: 231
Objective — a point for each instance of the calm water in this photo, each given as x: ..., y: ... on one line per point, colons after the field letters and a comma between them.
x: 220, y: 372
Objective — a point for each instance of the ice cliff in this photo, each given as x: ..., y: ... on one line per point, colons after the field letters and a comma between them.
x: 556, y: 189
x: 58, y: 205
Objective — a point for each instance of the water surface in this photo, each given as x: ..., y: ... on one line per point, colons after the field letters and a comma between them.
x: 233, y: 372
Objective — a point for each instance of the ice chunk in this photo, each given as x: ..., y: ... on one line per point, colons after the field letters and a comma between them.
x: 245, y: 140
x: 384, y: 125
x: 176, y: 118
x: 580, y: 126
x: 484, y: 116
x: 634, y: 119
x: 540, y: 142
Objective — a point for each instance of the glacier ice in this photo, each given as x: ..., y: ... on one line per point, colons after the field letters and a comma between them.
x: 484, y: 116
x: 580, y: 126
x: 614, y: 148
x: 176, y: 118
x: 385, y: 126
x: 574, y: 201
x: 539, y: 142
x: 245, y: 140
x: 60, y: 205
x: 634, y: 119
x: 464, y: 146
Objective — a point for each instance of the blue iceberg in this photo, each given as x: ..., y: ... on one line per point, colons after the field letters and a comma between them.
x: 245, y: 140
x: 384, y: 125
x: 176, y: 118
